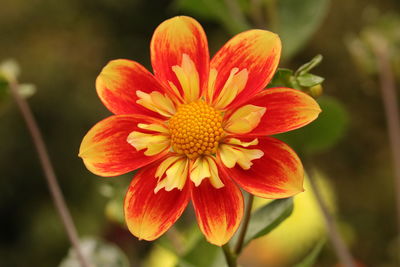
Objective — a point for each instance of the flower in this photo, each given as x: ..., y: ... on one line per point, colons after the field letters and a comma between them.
x: 197, y: 129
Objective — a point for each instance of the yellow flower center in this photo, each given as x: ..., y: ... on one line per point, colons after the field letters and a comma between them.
x: 196, y: 129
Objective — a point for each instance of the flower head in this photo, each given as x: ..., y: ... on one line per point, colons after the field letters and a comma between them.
x: 197, y: 129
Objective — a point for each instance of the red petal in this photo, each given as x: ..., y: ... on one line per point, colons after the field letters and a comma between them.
x: 218, y: 211
x: 258, y: 51
x: 117, y: 85
x: 105, y: 150
x: 278, y: 174
x: 149, y: 215
x: 287, y: 109
x: 173, y: 38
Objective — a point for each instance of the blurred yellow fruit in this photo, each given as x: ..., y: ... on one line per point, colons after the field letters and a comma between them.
x: 294, y: 238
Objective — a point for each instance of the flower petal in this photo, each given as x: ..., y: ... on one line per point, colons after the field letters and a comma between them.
x: 257, y: 52
x: 287, y: 109
x: 244, y: 119
x: 277, y: 174
x: 118, y: 83
x: 106, y: 151
x: 218, y: 210
x: 148, y: 214
x: 174, y: 40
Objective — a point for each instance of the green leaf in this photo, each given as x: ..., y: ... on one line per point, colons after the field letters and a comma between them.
x: 297, y: 22
x: 266, y: 218
x: 98, y: 253
x: 309, y: 80
x: 305, y: 68
x: 311, y: 258
x: 203, y: 254
x: 282, y: 78
x: 323, y: 133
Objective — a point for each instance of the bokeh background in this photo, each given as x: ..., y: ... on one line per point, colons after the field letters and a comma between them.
x: 61, y: 47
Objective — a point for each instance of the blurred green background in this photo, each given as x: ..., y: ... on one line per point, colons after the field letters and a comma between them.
x: 61, y: 47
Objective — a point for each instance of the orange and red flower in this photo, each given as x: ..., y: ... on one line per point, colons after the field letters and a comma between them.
x: 198, y: 129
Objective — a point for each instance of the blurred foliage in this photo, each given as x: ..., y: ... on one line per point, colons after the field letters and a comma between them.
x: 9, y: 72
x: 98, y: 253
x: 295, y: 238
x: 295, y: 21
x: 383, y: 28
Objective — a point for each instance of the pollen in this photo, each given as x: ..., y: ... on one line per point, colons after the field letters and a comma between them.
x: 196, y: 129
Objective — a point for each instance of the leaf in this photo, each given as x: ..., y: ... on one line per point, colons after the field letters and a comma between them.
x: 306, y: 67
x: 323, y: 133
x: 98, y: 253
x: 309, y: 80
x: 282, y: 78
x: 202, y: 254
x: 310, y: 259
x: 266, y: 218
x: 298, y: 20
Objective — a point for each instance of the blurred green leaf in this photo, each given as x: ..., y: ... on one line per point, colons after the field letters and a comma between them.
x: 203, y: 254
x: 215, y: 10
x: 311, y: 258
x: 266, y: 218
x: 282, y: 78
x: 306, y: 67
x: 309, y: 80
x: 297, y: 21
x: 98, y: 253
x: 324, y: 132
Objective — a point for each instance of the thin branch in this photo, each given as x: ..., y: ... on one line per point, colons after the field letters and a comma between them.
x: 389, y: 97
x: 230, y: 257
x: 338, y: 243
x: 246, y: 220
x: 48, y: 170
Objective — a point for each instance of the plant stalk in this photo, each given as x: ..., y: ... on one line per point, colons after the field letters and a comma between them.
x: 338, y: 243
x: 48, y: 170
x: 380, y: 48
x: 246, y: 220
x: 231, y: 257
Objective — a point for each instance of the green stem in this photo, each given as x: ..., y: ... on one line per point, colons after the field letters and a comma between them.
x: 230, y: 257
x: 246, y: 220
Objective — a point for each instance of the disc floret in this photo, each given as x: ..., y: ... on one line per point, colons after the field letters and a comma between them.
x: 196, y: 129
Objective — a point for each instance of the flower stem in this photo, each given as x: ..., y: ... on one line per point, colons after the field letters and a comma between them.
x: 246, y: 220
x: 230, y: 256
x: 48, y: 170
x: 338, y: 243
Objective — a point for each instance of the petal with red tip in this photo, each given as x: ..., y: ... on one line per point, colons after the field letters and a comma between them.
x: 277, y: 174
x: 257, y: 51
x: 148, y: 215
x: 286, y: 109
x: 173, y: 39
x: 218, y: 210
x: 106, y: 151
x: 118, y: 83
